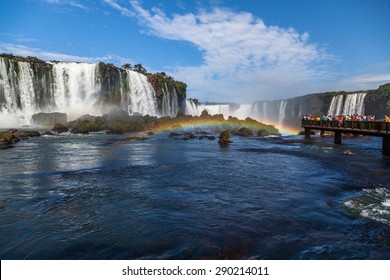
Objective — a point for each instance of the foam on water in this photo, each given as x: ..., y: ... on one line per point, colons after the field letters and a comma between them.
x: 373, y: 204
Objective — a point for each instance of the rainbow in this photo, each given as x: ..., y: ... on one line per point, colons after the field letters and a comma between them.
x: 209, y: 124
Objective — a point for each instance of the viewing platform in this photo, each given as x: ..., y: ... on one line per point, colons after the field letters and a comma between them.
x: 366, y: 128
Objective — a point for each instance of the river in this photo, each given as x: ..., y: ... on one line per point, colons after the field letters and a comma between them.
x: 94, y: 197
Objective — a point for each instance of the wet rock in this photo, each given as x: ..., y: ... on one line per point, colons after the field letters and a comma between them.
x: 173, y: 134
x: 7, y: 139
x: 211, y: 137
x: 59, y: 128
x: 189, y: 136
x: 24, y: 134
x: 349, y: 153
x: 114, y: 131
x: 202, y: 132
x: 49, y: 119
x: 48, y: 133
x: 224, y: 137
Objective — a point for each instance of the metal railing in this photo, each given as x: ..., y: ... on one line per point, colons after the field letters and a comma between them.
x: 376, y: 126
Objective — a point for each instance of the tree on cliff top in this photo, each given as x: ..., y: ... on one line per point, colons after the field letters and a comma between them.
x: 127, y: 66
x: 140, y: 69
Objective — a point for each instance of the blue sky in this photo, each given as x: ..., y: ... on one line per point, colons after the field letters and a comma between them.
x: 225, y: 50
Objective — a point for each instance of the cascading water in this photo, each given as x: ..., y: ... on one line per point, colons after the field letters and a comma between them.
x: 191, y: 108
x: 17, y: 98
x: 244, y: 111
x: 336, y: 105
x: 141, y: 97
x: 282, y: 112
x: 354, y: 104
x: 170, y: 105
x: 76, y: 89
x: 216, y: 109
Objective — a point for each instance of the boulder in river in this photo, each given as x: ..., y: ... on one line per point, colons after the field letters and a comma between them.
x: 49, y: 119
x: 224, y: 137
x: 59, y: 128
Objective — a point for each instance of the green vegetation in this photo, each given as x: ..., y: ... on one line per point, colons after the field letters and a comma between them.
x: 140, y: 69
x: 224, y: 137
x: 127, y: 66
x: 121, y: 122
x: 6, y: 136
x: 29, y: 59
x: 244, y: 131
x: 161, y: 82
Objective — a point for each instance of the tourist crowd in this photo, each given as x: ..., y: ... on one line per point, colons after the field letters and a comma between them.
x: 342, y: 118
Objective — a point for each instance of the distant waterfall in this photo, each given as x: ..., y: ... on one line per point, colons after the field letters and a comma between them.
x: 191, y: 108
x: 336, y: 105
x: 223, y: 109
x: 282, y: 112
x: 272, y: 112
x: 354, y: 104
x: 244, y: 111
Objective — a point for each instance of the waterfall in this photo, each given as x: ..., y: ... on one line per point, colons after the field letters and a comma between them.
x: 354, y: 104
x: 282, y: 111
x: 336, y: 105
x: 191, y: 108
x: 244, y: 111
x: 140, y: 98
x: 76, y: 89
x: 170, y: 105
x: 264, y: 117
x: 216, y: 109
x: 17, y: 97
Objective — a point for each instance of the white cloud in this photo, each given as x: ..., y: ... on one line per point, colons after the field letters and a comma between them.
x: 72, y: 3
x: 47, y: 55
x: 363, y: 82
x: 124, y: 11
x: 243, y: 58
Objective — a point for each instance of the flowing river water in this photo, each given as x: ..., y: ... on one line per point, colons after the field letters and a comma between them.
x: 94, y: 197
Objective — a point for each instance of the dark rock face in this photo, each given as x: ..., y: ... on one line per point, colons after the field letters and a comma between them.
x: 49, y: 119
x: 59, y: 128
